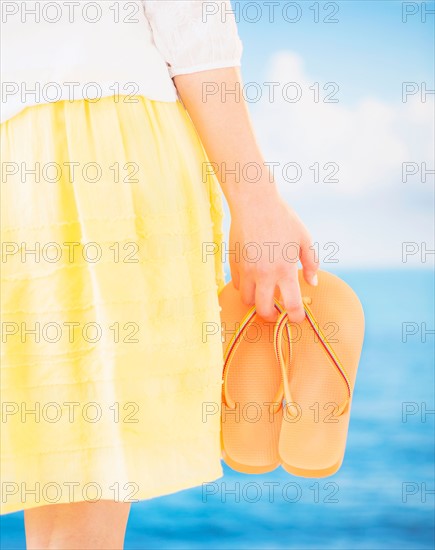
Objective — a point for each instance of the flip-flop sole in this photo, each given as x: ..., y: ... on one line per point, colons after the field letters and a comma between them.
x: 313, y: 444
x: 250, y: 433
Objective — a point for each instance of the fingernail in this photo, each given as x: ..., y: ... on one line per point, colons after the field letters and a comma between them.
x: 315, y: 280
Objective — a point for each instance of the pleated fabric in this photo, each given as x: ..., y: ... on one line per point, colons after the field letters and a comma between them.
x: 111, y: 267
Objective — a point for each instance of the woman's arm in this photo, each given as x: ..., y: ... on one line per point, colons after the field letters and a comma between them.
x: 258, y: 213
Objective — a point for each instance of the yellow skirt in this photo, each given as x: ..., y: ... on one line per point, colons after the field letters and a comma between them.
x: 111, y: 268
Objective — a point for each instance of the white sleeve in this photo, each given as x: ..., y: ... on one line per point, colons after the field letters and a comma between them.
x: 194, y: 35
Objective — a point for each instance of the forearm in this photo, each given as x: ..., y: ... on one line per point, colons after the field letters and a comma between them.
x: 225, y: 128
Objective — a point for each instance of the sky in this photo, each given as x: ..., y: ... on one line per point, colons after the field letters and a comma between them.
x: 360, y: 150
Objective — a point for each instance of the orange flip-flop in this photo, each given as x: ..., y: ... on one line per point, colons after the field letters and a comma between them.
x: 325, y: 350
x: 251, y: 413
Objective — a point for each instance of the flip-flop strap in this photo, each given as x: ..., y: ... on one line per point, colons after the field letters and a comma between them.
x: 331, y: 355
x: 232, y: 348
x: 284, y: 362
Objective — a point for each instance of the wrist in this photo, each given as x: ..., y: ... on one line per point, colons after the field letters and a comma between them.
x: 247, y: 195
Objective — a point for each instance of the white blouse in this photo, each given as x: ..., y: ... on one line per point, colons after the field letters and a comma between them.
x: 64, y: 50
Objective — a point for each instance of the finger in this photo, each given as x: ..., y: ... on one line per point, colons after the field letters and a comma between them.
x: 264, y: 301
x: 247, y: 290
x: 291, y: 298
x: 309, y: 261
x: 235, y: 276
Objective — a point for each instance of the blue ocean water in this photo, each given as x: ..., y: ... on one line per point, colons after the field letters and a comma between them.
x: 381, y: 497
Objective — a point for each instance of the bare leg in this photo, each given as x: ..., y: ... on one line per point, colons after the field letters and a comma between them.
x: 77, y: 526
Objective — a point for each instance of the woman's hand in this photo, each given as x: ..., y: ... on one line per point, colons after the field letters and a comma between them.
x: 269, y: 239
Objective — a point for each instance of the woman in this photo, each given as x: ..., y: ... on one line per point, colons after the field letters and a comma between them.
x: 118, y: 126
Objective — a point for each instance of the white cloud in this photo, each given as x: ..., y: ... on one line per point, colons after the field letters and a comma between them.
x: 370, y: 211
